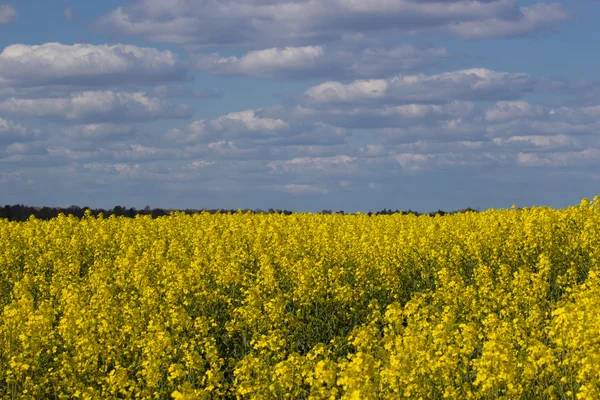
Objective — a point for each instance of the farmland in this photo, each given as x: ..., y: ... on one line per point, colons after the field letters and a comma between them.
x: 497, y: 304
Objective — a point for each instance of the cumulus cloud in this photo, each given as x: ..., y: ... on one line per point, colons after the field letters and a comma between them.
x: 100, y: 131
x: 511, y: 125
x: 537, y: 141
x: 149, y: 171
x: 588, y: 113
x: 7, y: 14
x: 443, y: 130
x: 396, y: 116
x: 274, y: 62
x: 86, y: 65
x: 347, y: 143
x: 320, y: 62
x: 510, y: 110
x: 339, y: 164
x: 10, y: 126
x: 11, y: 131
x: 351, y: 142
x: 582, y: 158
x: 416, y: 163
x: 251, y: 122
x: 258, y: 22
x: 247, y: 125
x: 468, y: 84
x: 536, y: 18
x: 513, y: 118
x: 258, y: 128
x: 97, y: 106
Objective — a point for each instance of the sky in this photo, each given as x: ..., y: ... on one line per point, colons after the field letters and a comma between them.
x: 305, y: 105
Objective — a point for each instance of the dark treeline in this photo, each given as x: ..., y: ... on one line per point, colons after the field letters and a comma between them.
x: 20, y: 212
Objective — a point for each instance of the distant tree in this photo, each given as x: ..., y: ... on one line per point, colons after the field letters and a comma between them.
x: 158, y: 212
x: 6, y: 212
x: 118, y: 211
x: 19, y: 212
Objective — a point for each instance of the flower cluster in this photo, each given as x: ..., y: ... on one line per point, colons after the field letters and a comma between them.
x: 498, y: 304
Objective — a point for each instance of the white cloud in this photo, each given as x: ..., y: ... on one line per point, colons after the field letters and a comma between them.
x: 11, y: 131
x: 7, y: 14
x: 317, y: 61
x: 86, y: 65
x: 248, y: 125
x: 577, y: 114
x: 253, y: 23
x: 540, y: 127
x: 443, y: 130
x: 353, y: 92
x: 200, y: 164
x: 288, y: 57
x: 101, y: 131
x: 252, y: 122
x: 468, y: 84
x: 277, y: 127
x: 11, y: 126
x: 139, y: 152
x: 195, y: 132
x: 413, y: 162
x: 263, y: 63
x: 586, y: 157
x: 404, y: 115
x: 537, y: 18
x: 546, y: 142
x: 510, y: 110
x: 340, y: 164
x: 373, y: 62
x: 96, y: 106
x: 149, y: 171
x: 520, y: 118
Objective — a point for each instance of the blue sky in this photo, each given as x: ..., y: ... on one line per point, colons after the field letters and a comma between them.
x: 306, y: 105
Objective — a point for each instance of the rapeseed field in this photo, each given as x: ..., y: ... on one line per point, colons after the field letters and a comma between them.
x: 498, y: 304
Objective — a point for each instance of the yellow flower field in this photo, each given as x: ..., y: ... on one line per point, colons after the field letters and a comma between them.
x: 500, y: 304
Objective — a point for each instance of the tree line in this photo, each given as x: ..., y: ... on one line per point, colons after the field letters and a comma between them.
x: 20, y: 212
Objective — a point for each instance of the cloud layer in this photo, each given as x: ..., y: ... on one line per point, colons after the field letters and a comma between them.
x: 321, y: 62
x: 469, y: 84
x: 99, y: 106
x: 85, y: 64
x: 256, y: 23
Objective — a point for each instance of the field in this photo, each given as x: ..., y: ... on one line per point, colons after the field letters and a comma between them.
x: 498, y: 304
